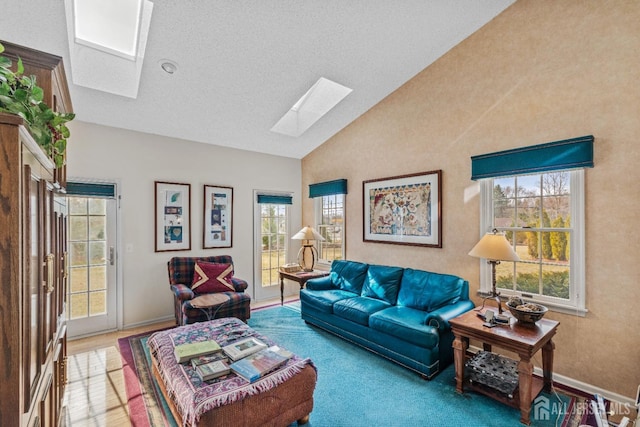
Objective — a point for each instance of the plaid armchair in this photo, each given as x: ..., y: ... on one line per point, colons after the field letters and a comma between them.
x: 191, y: 308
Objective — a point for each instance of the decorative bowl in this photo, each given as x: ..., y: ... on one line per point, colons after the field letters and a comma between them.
x: 526, y: 312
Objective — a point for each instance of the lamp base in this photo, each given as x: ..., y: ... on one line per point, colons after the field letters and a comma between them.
x: 307, y: 257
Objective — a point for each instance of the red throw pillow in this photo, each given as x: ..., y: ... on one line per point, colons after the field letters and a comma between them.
x: 212, y: 277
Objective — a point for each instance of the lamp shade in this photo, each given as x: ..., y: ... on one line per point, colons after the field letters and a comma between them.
x: 494, y: 246
x: 307, y: 233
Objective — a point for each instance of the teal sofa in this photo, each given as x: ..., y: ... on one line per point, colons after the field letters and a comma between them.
x: 399, y: 313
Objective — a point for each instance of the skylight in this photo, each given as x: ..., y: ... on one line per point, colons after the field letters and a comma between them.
x: 318, y: 101
x: 112, y: 26
x: 107, y: 42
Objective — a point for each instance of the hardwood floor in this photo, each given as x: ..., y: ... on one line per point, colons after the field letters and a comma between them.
x: 95, y: 395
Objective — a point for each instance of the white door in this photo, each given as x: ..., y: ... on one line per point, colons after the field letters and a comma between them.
x: 91, y: 291
x: 271, y: 241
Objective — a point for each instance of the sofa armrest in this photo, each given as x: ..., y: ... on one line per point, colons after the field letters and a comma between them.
x: 239, y: 284
x: 182, y: 292
x: 440, y: 318
x: 320, y: 283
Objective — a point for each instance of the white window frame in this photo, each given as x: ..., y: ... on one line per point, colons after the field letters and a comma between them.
x: 317, y: 209
x: 576, y: 303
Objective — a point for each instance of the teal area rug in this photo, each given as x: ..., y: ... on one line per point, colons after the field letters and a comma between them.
x: 356, y: 388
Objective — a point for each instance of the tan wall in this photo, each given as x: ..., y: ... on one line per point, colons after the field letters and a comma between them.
x: 544, y: 70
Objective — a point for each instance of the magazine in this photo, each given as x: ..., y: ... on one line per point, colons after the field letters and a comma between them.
x: 211, y: 370
x: 259, y: 364
x: 243, y: 348
x: 187, y: 351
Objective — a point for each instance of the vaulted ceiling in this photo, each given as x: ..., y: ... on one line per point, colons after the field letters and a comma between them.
x: 243, y: 64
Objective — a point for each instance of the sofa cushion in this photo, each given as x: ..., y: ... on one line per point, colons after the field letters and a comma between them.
x: 428, y: 291
x: 358, y: 309
x: 407, y: 324
x: 382, y: 283
x: 324, y: 300
x: 348, y: 275
x: 212, y: 277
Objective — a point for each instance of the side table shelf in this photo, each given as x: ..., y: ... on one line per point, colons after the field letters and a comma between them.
x: 494, y: 371
x: 537, y: 385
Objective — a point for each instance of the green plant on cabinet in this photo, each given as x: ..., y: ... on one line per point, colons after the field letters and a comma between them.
x: 20, y: 95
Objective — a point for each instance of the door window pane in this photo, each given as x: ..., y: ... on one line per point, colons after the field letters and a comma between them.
x: 97, y: 303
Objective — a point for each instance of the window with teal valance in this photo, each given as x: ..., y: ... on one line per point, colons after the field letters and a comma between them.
x: 338, y: 186
x: 559, y: 155
x: 275, y: 199
x: 90, y: 189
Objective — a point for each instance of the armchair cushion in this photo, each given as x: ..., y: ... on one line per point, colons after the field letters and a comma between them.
x: 212, y: 277
x: 181, y: 268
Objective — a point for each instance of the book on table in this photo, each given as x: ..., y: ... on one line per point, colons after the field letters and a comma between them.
x: 243, y: 348
x: 211, y: 370
x: 259, y: 364
x: 208, y: 358
x: 187, y: 351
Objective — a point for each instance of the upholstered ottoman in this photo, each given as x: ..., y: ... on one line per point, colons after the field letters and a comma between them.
x: 278, y: 399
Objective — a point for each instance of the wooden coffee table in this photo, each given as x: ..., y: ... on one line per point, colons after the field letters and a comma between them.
x: 523, y: 339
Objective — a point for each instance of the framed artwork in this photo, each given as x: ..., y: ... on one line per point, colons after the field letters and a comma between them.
x: 404, y: 210
x: 173, y: 216
x: 218, y: 217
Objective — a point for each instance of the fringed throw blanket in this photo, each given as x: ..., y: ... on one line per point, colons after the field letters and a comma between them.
x: 193, y: 397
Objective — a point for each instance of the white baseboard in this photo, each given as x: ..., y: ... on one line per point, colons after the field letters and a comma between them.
x: 588, y: 388
x: 148, y: 322
x: 579, y: 385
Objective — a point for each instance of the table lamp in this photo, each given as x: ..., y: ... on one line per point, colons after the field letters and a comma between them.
x: 308, y: 254
x: 494, y: 247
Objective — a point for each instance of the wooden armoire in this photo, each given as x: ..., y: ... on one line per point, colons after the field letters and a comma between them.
x: 33, y: 259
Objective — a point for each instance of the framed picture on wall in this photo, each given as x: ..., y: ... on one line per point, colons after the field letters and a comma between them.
x: 173, y: 216
x: 218, y: 217
x: 404, y: 210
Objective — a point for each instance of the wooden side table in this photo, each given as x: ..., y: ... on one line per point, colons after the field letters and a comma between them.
x: 299, y: 276
x: 522, y: 339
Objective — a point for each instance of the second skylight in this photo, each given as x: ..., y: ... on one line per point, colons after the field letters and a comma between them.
x: 319, y: 99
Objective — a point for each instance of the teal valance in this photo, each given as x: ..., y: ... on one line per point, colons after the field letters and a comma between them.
x: 566, y: 154
x: 338, y: 186
x: 91, y: 189
x: 275, y: 199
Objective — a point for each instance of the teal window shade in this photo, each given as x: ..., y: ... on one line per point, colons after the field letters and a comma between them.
x: 338, y: 186
x: 559, y: 155
x: 275, y: 199
x: 86, y: 189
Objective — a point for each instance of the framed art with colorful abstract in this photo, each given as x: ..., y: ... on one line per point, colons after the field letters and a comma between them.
x: 218, y: 217
x: 404, y: 210
x: 173, y: 216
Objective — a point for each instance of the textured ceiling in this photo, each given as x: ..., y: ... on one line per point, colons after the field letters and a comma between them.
x: 243, y: 64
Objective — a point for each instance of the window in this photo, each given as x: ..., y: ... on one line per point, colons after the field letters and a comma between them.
x: 330, y: 222
x: 329, y: 209
x: 542, y: 216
